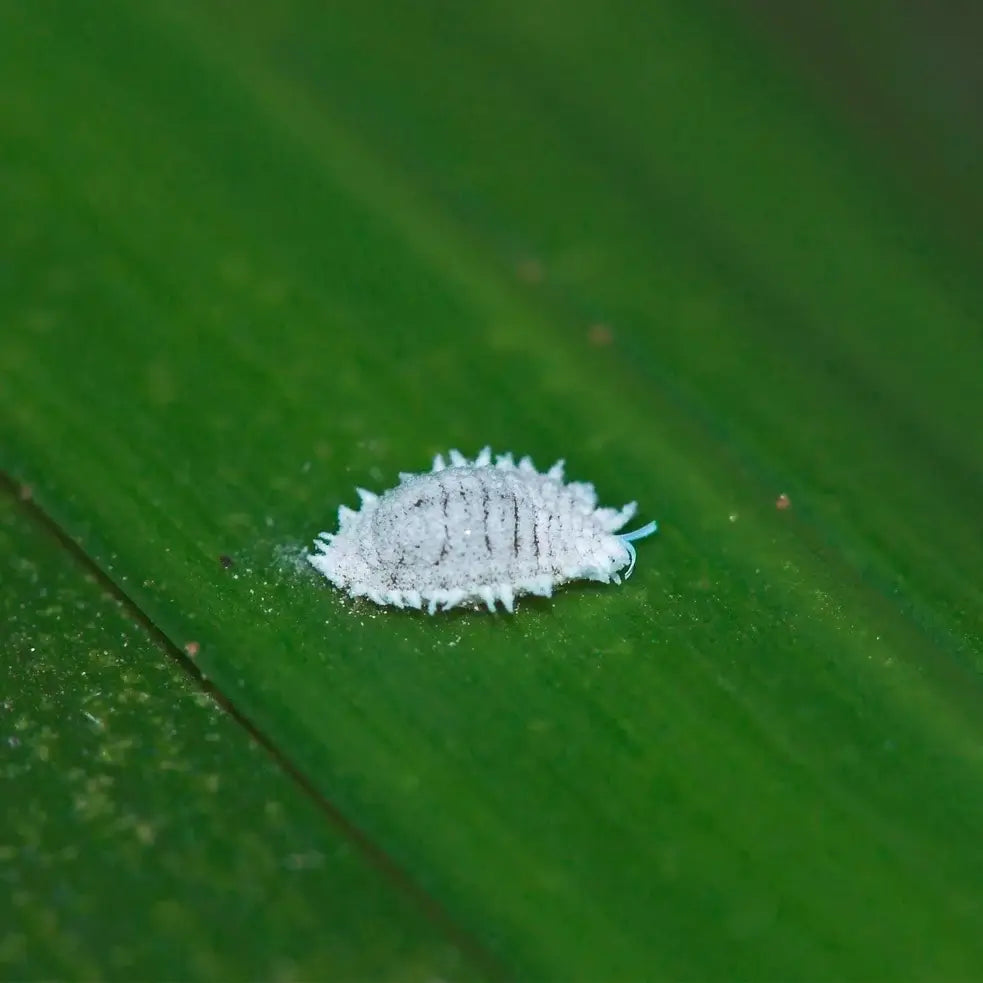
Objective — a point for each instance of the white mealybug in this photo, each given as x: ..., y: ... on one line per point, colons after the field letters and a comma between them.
x: 476, y: 531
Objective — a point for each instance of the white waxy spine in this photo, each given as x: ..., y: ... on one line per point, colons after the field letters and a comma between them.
x: 475, y: 531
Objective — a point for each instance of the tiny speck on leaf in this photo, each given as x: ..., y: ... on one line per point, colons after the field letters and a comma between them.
x: 783, y: 502
x: 226, y: 561
x: 530, y: 271
x: 600, y: 335
x: 192, y: 649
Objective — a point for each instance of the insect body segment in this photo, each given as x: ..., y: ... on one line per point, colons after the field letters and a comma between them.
x: 475, y: 531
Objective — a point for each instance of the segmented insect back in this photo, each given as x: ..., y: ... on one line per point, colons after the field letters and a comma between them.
x: 476, y: 531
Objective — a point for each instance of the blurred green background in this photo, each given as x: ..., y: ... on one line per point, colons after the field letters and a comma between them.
x: 254, y: 255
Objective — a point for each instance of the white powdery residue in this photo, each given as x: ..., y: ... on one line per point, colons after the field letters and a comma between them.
x: 291, y: 556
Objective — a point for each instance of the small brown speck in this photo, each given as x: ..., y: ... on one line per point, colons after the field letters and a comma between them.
x: 530, y: 271
x: 226, y: 561
x: 783, y: 502
x: 26, y: 493
x: 600, y: 335
x: 192, y: 648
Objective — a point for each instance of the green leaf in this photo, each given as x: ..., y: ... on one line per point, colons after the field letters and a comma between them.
x: 253, y: 261
x: 143, y: 834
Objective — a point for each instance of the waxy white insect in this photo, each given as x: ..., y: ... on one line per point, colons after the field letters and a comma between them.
x: 476, y: 531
